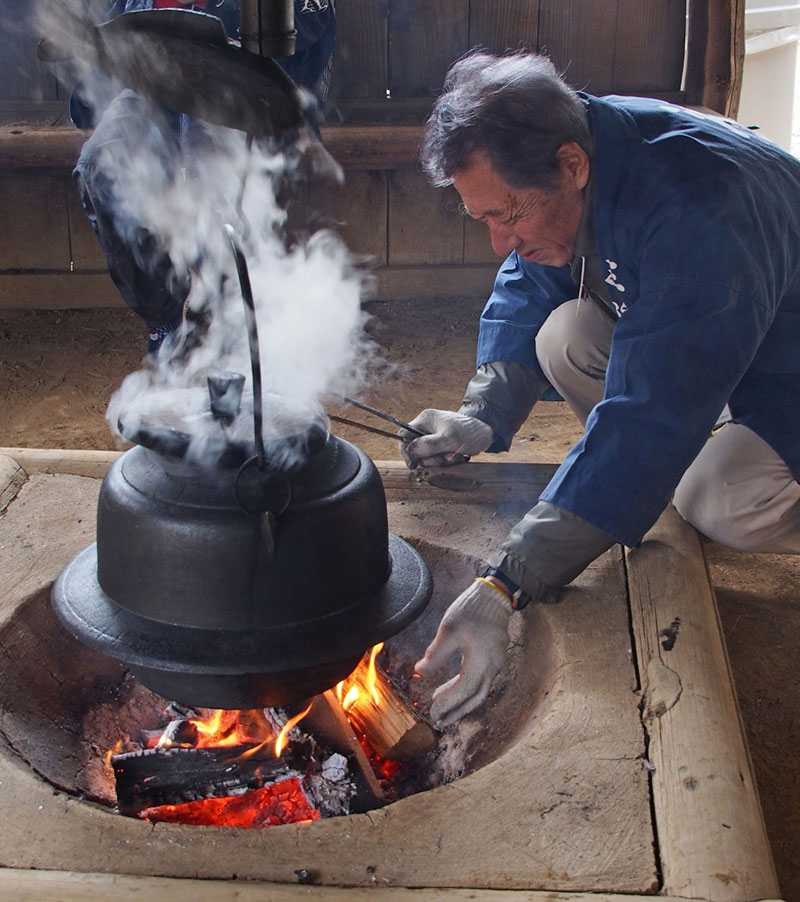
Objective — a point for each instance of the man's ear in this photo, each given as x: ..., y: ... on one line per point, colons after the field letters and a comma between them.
x: 574, y: 162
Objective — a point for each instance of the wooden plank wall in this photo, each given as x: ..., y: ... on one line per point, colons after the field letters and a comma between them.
x: 390, y: 62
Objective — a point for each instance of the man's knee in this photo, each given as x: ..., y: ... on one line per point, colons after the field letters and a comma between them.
x: 704, y: 503
x: 750, y: 508
x: 556, y: 337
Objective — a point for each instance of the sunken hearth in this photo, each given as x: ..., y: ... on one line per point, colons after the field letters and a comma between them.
x: 66, y: 707
x: 543, y: 788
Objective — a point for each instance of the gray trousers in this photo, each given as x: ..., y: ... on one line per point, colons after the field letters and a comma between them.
x: 737, y: 491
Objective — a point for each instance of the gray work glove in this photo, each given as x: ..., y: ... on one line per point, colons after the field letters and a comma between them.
x: 449, y: 438
x: 475, y: 624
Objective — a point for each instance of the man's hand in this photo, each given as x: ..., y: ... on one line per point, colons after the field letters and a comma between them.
x: 476, y: 624
x: 449, y: 437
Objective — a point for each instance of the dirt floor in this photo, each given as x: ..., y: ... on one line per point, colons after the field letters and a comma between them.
x: 58, y: 369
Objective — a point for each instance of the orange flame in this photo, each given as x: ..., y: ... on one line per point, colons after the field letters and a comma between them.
x: 113, y: 751
x: 351, y: 698
x: 363, y: 680
x: 283, y: 737
x: 372, y: 677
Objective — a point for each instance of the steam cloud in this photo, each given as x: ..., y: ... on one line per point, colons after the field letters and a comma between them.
x: 307, y: 293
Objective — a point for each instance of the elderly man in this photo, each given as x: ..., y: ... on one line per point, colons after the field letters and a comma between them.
x: 652, y: 277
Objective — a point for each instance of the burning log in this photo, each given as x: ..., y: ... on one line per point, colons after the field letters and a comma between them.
x: 281, y: 803
x: 376, y: 708
x: 230, y: 769
x: 327, y: 721
x: 178, y: 774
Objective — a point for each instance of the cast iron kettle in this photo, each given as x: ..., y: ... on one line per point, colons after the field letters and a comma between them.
x: 232, y: 587
x: 253, y: 574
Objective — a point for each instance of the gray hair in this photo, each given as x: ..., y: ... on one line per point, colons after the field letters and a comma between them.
x: 515, y: 108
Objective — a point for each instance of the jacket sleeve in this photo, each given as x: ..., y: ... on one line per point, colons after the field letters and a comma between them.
x: 547, y: 549
x: 502, y: 394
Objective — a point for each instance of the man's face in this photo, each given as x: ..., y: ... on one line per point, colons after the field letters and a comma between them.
x: 540, y: 225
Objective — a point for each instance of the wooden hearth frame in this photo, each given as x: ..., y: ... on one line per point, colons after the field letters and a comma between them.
x: 712, y: 843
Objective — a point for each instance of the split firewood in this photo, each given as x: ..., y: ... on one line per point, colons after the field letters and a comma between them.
x: 392, y: 727
x: 328, y: 723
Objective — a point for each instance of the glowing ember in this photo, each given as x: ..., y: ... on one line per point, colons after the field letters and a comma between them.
x: 283, y: 803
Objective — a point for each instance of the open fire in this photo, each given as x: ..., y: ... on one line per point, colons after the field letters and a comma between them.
x: 260, y: 767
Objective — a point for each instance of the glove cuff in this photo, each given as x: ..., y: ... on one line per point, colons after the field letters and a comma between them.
x: 487, y: 603
x: 498, y: 589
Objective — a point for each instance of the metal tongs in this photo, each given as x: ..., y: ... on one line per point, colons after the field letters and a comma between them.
x: 455, y: 458
x: 415, y: 433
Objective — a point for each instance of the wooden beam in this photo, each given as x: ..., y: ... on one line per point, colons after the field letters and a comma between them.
x: 354, y: 146
x: 434, y: 280
x: 58, y: 291
x: 38, y: 146
x: 58, y: 460
x: 71, y: 886
x: 711, y: 835
x: 84, y: 291
x: 715, y: 54
x: 12, y: 478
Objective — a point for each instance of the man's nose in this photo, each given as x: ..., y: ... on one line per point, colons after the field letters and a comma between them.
x: 503, y: 239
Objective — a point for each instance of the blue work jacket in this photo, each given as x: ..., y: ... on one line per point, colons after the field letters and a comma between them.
x: 697, y: 225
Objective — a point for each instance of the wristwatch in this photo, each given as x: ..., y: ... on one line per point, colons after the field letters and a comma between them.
x: 519, y: 598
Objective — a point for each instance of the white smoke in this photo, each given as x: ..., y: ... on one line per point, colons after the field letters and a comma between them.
x: 307, y: 293
x: 307, y: 298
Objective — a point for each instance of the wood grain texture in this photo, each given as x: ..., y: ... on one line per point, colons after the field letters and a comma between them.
x: 38, y: 145
x: 85, y: 252
x: 57, y: 291
x: 715, y: 55
x: 424, y: 38
x: 62, y: 461
x: 18, y: 113
x: 502, y: 25
x: 81, y: 290
x: 360, y: 62
x: 425, y: 225
x: 33, y: 220
x: 375, y: 146
x: 356, y: 210
x: 477, y: 243
x: 580, y: 38
x: 432, y: 281
x: 711, y: 832
x: 648, y: 54
x: 23, y: 76
x: 12, y: 478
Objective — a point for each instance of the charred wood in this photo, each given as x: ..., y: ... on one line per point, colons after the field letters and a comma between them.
x: 172, y: 775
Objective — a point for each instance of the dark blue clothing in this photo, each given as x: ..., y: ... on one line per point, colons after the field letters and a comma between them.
x: 132, y: 127
x: 697, y: 222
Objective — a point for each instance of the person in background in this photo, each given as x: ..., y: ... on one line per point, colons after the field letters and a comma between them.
x: 652, y: 278
x: 126, y: 124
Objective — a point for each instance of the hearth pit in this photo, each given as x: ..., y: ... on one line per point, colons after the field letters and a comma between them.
x: 65, y: 706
